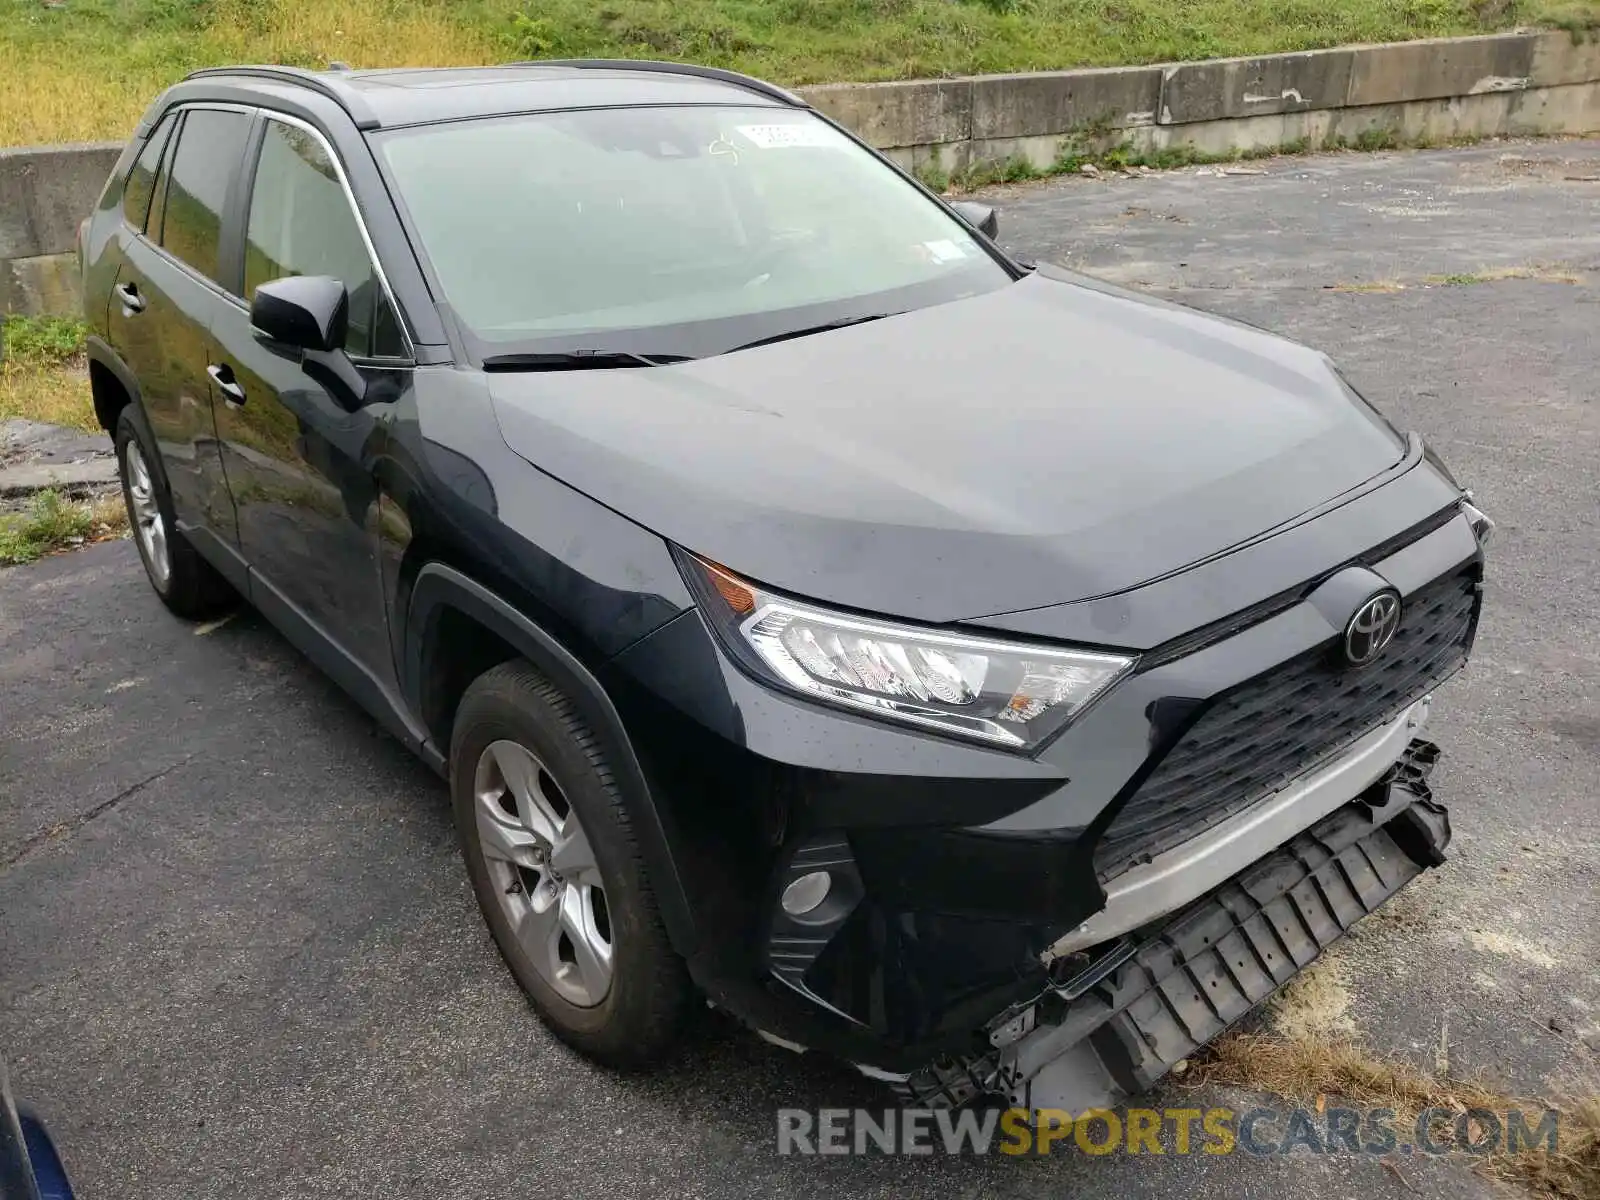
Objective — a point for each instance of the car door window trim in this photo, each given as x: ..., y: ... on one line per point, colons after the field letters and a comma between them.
x: 181, y: 111
x: 272, y: 114
x: 165, y: 132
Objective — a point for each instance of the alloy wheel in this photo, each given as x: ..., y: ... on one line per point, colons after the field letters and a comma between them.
x: 148, y: 525
x: 544, y: 872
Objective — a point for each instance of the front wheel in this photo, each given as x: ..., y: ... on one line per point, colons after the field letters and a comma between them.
x: 548, y: 844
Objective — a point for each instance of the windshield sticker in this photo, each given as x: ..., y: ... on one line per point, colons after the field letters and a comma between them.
x: 944, y: 250
x: 777, y: 137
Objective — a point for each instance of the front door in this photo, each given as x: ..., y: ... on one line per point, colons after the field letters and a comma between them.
x: 300, y: 457
x: 167, y: 294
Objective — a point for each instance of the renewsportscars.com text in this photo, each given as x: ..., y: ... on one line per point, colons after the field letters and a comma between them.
x: 1257, y: 1131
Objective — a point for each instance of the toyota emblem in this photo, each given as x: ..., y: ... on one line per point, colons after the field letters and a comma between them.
x: 1372, y: 628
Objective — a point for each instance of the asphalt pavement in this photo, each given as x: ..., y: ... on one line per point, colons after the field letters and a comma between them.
x: 239, y: 957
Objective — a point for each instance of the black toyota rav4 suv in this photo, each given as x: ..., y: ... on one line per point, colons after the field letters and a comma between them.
x: 998, y: 679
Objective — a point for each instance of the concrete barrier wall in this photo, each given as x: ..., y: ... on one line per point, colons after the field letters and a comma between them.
x: 44, y: 193
x: 1515, y: 83
x: 1504, y: 84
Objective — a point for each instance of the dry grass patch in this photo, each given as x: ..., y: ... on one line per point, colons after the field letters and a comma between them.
x: 56, y: 394
x: 1543, y: 272
x: 47, y: 97
x: 1378, y: 287
x: 43, y: 374
x: 1317, y: 1069
x: 359, y: 32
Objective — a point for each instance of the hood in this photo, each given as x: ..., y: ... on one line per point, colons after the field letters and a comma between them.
x: 1054, y: 440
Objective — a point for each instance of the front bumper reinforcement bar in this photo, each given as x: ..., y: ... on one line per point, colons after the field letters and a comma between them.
x: 1145, y: 1002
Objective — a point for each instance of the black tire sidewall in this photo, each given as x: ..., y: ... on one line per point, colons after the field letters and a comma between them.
x: 514, y: 707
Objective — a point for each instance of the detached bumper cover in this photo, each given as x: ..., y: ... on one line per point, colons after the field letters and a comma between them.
x: 1145, y: 1003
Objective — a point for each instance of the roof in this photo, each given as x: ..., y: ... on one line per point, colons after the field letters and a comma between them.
x: 408, y: 96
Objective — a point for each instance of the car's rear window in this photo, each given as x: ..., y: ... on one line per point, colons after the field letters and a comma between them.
x: 672, y: 230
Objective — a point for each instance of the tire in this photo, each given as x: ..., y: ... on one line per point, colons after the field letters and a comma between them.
x: 186, y: 583
x: 520, y: 751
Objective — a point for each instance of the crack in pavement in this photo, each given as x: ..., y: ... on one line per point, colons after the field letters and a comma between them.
x: 65, y: 829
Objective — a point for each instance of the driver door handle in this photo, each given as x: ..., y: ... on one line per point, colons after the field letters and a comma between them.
x: 128, y: 293
x: 222, y: 376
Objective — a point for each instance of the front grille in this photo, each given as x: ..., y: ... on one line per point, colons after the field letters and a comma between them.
x: 1271, y: 729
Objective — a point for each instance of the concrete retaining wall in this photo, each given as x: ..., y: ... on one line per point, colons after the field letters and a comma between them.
x: 1515, y: 83
x: 44, y: 193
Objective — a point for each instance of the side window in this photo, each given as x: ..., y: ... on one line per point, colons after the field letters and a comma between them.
x: 301, y: 223
x: 209, y: 149
x: 158, y: 199
x: 141, y: 183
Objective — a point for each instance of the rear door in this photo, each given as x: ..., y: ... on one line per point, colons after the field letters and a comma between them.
x: 300, y: 451
x: 167, y: 294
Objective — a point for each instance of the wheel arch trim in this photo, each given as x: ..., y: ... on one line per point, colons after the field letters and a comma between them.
x: 100, y: 353
x: 438, y: 587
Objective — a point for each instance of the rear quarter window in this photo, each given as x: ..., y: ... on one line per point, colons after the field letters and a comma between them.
x: 140, y: 186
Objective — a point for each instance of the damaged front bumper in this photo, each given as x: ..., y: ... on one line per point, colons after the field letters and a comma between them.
x: 894, y: 899
x: 1117, y: 1018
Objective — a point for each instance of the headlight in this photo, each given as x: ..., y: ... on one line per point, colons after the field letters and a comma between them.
x: 1004, y: 693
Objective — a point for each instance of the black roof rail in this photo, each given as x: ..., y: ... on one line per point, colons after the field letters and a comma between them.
x: 317, y: 81
x: 748, y: 82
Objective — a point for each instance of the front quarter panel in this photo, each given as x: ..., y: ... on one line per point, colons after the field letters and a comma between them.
x: 453, y: 492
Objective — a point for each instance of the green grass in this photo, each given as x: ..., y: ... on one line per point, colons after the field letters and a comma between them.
x: 85, y: 69
x: 42, y: 375
x: 40, y: 341
x: 52, y: 522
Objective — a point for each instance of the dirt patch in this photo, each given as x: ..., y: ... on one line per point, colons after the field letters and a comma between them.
x: 1316, y: 1002
x: 1533, y: 166
x: 1533, y: 953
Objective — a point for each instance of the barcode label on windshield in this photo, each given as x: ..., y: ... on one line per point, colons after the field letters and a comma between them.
x: 776, y: 137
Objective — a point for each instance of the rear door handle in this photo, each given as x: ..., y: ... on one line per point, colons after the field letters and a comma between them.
x: 128, y: 293
x: 222, y: 376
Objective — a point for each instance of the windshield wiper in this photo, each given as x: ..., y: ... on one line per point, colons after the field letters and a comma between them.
x: 841, y: 323
x: 578, y: 360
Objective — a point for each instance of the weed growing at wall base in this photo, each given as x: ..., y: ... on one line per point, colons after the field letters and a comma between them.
x: 1089, y: 149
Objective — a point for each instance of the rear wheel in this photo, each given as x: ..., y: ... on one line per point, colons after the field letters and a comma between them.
x: 186, y: 583
x: 550, y: 849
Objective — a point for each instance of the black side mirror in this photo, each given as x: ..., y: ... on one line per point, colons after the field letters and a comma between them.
x: 311, y: 312
x: 981, y: 217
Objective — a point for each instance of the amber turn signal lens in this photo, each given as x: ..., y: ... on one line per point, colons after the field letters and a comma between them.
x: 731, y: 588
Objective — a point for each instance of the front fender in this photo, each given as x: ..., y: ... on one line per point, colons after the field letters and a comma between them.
x: 101, y: 354
x: 439, y: 587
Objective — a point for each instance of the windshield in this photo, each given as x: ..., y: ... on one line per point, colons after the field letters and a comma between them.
x: 670, y: 231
